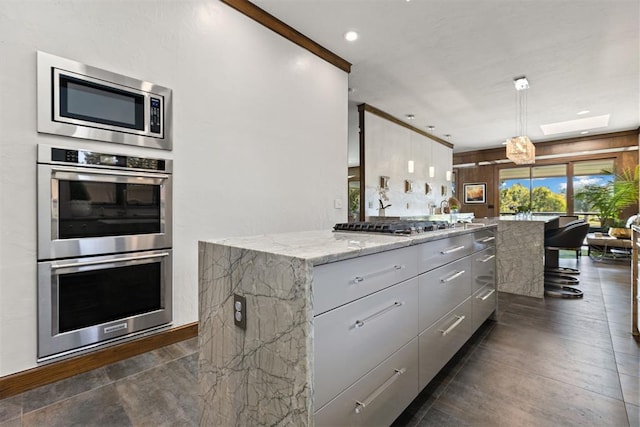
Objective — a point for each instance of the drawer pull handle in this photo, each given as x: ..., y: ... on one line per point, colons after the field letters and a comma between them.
x: 360, y: 405
x: 484, y: 298
x: 360, y: 279
x: 453, y: 276
x: 361, y: 323
x: 487, y: 239
x: 487, y: 259
x: 452, y: 327
x: 452, y: 250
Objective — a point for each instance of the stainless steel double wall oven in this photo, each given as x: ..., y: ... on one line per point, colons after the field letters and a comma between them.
x: 104, y: 248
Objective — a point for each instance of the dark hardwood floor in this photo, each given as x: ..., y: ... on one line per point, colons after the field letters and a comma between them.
x: 542, y: 362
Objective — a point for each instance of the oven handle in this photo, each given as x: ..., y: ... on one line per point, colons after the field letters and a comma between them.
x: 108, y: 261
x: 70, y: 172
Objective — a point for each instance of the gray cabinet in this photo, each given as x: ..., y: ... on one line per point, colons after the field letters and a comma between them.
x: 354, y: 338
x: 443, y: 339
x: 378, y: 397
x: 385, y: 324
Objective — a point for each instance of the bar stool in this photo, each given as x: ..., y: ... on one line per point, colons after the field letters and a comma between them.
x: 556, y: 278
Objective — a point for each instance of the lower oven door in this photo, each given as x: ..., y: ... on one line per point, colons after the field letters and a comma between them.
x: 85, y: 302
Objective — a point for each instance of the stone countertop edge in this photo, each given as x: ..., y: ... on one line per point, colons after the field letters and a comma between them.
x: 325, y: 246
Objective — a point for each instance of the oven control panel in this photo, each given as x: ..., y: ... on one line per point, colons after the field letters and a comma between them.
x: 92, y: 158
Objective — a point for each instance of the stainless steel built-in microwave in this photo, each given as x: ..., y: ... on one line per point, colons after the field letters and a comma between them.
x: 82, y: 101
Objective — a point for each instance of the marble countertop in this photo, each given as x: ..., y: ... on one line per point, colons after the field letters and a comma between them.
x: 325, y: 246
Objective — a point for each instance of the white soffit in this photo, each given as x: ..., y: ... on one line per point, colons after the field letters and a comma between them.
x: 576, y: 125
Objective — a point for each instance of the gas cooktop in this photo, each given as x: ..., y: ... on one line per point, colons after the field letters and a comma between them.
x: 404, y: 227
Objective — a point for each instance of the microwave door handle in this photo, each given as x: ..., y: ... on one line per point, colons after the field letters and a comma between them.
x: 108, y: 261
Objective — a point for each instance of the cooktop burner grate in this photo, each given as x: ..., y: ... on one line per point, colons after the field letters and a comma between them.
x: 392, y: 227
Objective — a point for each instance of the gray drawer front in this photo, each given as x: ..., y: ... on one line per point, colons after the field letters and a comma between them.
x: 442, y: 289
x: 345, y: 349
x: 442, y: 340
x: 338, y: 283
x: 483, y: 239
x: 440, y: 252
x: 483, y: 268
x: 483, y: 303
x: 396, y: 381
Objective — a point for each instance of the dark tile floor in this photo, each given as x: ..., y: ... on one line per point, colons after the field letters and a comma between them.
x: 544, y: 362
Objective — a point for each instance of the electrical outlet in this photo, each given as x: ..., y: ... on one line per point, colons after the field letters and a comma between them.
x: 337, y: 204
x: 240, y: 311
x: 370, y: 205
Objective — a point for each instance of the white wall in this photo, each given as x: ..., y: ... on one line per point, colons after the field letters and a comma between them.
x: 354, y: 135
x: 388, y: 148
x: 260, y: 132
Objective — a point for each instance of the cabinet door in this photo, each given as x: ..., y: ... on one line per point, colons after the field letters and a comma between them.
x: 484, y: 238
x: 440, y: 252
x: 483, y: 303
x: 340, y: 282
x: 443, y: 339
x: 352, y: 339
x: 484, y: 268
x: 442, y: 289
x: 379, y: 397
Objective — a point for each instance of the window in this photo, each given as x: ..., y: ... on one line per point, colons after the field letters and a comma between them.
x: 590, y: 172
x: 546, y: 188
x: 542, y: 189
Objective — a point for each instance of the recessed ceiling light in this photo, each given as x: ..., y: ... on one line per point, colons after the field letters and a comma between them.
x: 410, y: 116
x: 584, y: 132
x: 351, y: 36
x: 351, y: 90
x: 447, y: 135
x: 583, y: 112
x: 431, y: 128
x: 576, y: 125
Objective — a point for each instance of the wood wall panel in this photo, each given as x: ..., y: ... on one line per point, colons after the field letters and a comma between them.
x: 572, y: 150
x: 565, y: 146
x: 480, y: 174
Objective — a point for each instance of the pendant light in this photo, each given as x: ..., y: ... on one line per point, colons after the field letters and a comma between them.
x: 520, y: 149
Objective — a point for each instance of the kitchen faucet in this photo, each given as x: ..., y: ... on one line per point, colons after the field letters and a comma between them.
x: 443, y: 204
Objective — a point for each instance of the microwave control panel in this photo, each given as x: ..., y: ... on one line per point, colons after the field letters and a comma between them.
x: 155, y: 113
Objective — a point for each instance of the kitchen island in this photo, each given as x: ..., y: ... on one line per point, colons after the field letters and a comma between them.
x: 326, y: 328
x: 521, y: 254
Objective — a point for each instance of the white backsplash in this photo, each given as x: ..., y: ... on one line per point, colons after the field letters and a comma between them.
x: 388, y: 149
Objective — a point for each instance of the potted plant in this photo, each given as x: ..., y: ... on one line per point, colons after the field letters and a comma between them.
x: 80, y: 200
x: 610, y: 199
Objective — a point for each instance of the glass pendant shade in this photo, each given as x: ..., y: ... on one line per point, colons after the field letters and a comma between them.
x: 521, y: 151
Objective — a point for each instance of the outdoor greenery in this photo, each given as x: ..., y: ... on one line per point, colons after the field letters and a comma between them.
x: 354, y: 201
x: 517, y: 199
x: 610, y: 199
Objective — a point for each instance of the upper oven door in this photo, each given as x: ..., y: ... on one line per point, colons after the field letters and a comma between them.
x: 89, y: 211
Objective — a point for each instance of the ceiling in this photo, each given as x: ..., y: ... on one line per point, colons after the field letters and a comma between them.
x: 451, y: 63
